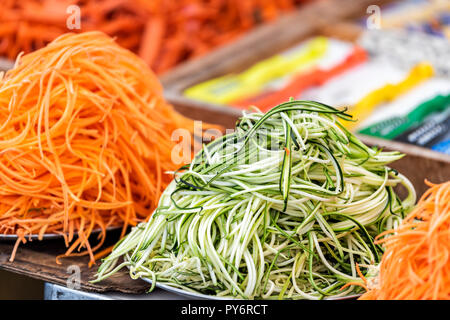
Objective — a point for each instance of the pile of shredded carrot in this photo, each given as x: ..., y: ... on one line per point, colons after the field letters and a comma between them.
x: 162, y: 32
x: 416, y: 263
x: 85, y: 140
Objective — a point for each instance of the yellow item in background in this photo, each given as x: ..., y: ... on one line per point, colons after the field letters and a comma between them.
x: 389, y: 92
x: 232, y: 87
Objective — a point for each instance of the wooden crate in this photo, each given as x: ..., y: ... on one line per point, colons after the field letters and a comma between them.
x: 37, y: 260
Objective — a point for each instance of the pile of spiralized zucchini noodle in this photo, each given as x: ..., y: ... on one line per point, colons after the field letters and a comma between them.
x: 285, y: 207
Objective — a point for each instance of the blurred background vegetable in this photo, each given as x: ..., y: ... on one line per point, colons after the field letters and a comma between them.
x: 163, y: 32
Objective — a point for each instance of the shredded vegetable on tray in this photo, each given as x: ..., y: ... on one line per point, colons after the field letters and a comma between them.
x: 286, y: 207
x: 85, y: 139
x: 416, y: 263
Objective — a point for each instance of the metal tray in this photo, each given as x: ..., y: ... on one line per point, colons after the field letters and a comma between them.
x: 200, y: 296
x: 49, y: 236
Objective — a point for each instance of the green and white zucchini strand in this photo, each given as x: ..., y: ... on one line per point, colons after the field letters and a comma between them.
x: 283, y: 208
